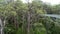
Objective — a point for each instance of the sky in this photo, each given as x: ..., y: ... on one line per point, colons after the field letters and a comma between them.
x: 53, y: 2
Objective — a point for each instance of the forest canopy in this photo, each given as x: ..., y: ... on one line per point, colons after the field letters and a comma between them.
x: 24, y: 18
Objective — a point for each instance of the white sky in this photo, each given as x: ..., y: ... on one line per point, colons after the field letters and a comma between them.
x: 52, y: 1
x: 49, y: 1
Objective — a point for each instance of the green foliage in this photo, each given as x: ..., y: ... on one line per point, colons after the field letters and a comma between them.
x: 16, y: 14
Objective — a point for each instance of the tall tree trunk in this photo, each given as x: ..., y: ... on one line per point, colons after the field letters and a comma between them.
x: 28, y: 23
x: 16, y: 23
x: 22, y: 23
x: 28, y: 19
x: 1, y: 26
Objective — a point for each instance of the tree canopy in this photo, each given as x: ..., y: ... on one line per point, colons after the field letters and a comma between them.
x: 25, y: 18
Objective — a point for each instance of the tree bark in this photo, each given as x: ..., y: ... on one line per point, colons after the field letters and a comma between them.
x: 1, y: 26
x: 28, y: 23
